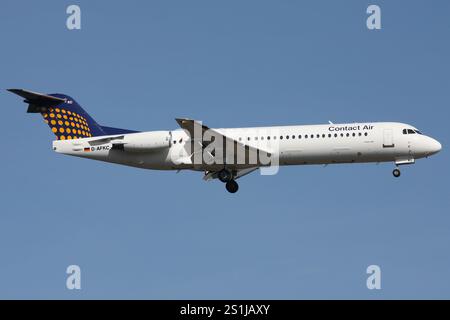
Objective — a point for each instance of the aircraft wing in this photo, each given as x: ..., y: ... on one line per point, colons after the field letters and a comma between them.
x: 249, y: 156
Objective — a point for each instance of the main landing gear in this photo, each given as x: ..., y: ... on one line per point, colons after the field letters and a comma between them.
x: 396, y: 172
x: 227, y: 177
x: 232, y: 186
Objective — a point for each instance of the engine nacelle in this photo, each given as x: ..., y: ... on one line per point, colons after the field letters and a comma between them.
x: 146, y: 141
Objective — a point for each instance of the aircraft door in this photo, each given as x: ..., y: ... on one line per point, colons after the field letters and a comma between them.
x: 388, y: 138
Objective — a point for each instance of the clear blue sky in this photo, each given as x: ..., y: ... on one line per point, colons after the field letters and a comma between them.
x: 308, y: 232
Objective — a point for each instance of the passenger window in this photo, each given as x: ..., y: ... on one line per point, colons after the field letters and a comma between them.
x: 306, y: 136
x: 293, y: 137
x: 281, y: 137
x: 318, y: 136
x: 353, y: 134
x: 348, y: 134
x: 365, y: 133
x: 268, y: 137
x: 299, y: 136
x: 342, y: 134
x: 329, y: 135
x: 359, y: 134
x: 335, y: 135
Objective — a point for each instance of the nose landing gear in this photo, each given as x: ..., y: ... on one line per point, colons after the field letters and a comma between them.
x: 401, y: 162
x: 396, y: 172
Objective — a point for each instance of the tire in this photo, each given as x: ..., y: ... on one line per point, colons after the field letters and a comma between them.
x: 232, y: 186
x: 225, y: 176
x: 396, y: 173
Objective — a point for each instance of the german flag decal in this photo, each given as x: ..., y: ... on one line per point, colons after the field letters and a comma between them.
x: 87, y: 149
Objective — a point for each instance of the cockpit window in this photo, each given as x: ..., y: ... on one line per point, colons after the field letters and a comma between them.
x: 411, y: 131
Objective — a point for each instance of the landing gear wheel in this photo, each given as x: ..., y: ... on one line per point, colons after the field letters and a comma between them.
x: 232, y: 186
x: 225, y: 176
x: 396, y: 173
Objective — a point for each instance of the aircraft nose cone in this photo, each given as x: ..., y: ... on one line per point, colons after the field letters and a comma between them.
x: 435, y: 146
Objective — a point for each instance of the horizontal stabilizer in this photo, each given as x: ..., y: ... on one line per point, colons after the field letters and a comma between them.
x: 65, y: 117
x: 38, y: 102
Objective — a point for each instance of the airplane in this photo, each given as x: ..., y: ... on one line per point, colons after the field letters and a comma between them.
x: 227, y: 154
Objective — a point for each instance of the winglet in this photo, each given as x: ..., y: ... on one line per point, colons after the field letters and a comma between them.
x: 183, y: 121
x: 189, y: 125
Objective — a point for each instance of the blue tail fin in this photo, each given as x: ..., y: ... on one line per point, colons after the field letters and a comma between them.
x: 69, y: 121
x: 65, y: 117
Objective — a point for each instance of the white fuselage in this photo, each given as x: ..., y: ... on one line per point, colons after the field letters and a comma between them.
x: 294, y: 145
